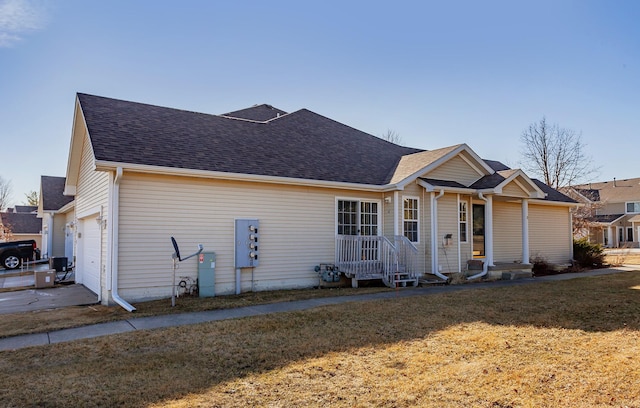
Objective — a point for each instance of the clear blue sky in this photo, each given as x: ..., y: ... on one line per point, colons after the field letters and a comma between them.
x: 437, y: 73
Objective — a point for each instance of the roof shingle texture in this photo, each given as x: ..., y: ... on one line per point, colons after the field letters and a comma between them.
x: 52, y: 197
x: 617, y: 191
x: 22, y: 223
x: 301, y: 144
x: 259, y: 113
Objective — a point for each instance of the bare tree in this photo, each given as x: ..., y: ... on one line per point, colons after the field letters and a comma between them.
x: 32, y: 198
x: 5, y: 193
x: 391, y: 136
x: 555, y: 154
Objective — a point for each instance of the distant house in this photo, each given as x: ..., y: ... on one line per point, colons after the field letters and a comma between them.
x: 615, y: 221
x: 56, y: 212
x: 20, y: 223
x: 274, y: 194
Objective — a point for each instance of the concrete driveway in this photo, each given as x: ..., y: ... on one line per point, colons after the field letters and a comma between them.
x: 30, y: 298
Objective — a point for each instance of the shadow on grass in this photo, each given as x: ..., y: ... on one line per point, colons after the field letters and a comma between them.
x: 151, y: 367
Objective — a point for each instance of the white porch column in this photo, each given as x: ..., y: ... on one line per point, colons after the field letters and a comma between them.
x: 396, y: 221
x: 609, y: 237
x: 488, y: 233
x: 525, y: 231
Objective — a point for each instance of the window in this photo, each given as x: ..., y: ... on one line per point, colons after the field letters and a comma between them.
x: 633, y: 207
x: 629, y: 234
x: 357, y: 217
x: 347, y: 217
x: 462, y: 220
x: 410, y: 219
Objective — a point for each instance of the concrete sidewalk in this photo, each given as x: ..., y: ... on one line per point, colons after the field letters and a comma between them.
x: 163, y: 321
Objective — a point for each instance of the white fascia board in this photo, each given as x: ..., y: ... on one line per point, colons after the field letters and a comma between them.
x: 537, y: 193
x: 581, y: 195
x: 445, y: 158
x: 554, y: 203
x: 67, y: 207
x: 478, y: 159
x: 142, y: 168
x: 431, y: 188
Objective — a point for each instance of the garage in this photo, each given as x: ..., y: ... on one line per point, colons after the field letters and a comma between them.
x: 88, y: 269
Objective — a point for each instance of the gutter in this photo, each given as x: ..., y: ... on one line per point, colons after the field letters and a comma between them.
x: 113, y: 231
x: 101, y: 165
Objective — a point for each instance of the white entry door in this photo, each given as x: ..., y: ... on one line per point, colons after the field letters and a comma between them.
x: 88, y: 268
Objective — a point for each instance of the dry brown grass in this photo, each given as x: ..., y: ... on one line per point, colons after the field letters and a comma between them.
x: 56, y: 319
x: 573, y: 343
x: 622, y: 258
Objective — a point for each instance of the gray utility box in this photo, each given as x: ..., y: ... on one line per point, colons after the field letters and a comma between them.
x: 207, y: 274
x: 247, y: 243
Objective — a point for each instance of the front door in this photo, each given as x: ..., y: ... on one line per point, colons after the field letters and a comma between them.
x: 360, y: 218
x: 478, y: 231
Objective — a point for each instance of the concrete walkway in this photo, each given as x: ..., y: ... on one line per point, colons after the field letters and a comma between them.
x: 163, y: 321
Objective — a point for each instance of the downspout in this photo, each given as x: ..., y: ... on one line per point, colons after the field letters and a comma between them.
x: 485, y: 265
x: 459, y: 243
x: 525, y: 231
x: 115, y: 209
x: 434, y: 235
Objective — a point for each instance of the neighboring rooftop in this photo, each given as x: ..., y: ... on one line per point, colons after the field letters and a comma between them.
x: 25, y: 209
x: 611, y: 191
x: 21, y: 223
x: 51, y: 189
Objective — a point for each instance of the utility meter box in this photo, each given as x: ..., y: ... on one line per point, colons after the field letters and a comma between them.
x: 44, y: 279
x: 247, y: 243
x: 207, y: 274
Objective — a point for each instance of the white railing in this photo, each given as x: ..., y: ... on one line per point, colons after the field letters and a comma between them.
x: 375, y: 257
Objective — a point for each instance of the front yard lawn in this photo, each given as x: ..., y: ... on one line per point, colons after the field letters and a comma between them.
x: 571, y: 343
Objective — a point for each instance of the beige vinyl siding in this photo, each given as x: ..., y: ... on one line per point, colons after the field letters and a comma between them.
x: 92, y: 197
x: 455, y: 169
x: 448, y: 224
x: 415, y: 191
x: 549, y: 233
x: 58, y: 235
x: 514, y: 190
x: 93, y: 186
x: 297, y: 231
x: 21, y: 237
x: 612, y: 208
x: 507, y: 232
x: 388, y: 215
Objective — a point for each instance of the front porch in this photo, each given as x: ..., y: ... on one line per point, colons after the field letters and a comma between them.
x: 362, y: 257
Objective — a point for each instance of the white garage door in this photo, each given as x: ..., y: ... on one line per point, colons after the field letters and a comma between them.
x: 88, y: 270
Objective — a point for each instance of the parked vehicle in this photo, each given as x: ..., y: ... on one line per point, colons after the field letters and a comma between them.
x: 13, y: 253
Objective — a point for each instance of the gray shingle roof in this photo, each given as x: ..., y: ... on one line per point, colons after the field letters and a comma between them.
x: 552, y: 194
x: 301, y: 144
x: 614, y: 191
x: 268, y: 142
x: 606, y: 218
x: 52, y: 197
x: 443, y: 183
x: 260, y: 113
x: 22, y: 223
x: 26, y: 208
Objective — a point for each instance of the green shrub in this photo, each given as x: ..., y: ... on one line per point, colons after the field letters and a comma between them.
x: 587, y: 254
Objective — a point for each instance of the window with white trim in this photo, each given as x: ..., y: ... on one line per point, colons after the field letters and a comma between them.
x: 462, y: 220
x: 410, y: 220
x: 357, y: 217
x: 633, y: 207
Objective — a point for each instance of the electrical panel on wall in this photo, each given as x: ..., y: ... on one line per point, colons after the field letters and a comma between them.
x: 247, y: 243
